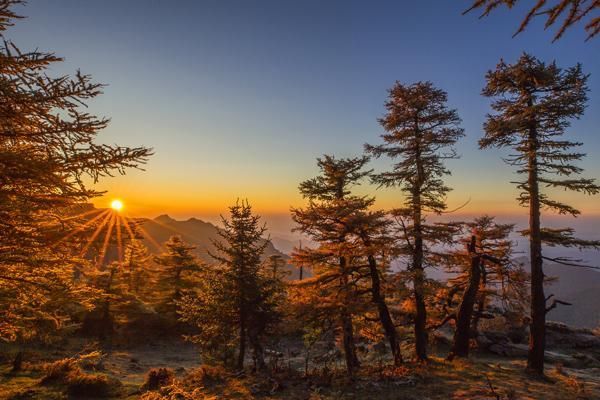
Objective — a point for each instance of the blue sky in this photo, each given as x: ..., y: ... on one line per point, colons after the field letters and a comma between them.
x: 238, y: 97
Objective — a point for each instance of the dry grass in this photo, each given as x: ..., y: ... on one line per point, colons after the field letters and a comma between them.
x: 68, y: 373
x: 484, y: 377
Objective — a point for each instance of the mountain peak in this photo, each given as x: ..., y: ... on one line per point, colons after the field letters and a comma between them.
x: 164, y: 218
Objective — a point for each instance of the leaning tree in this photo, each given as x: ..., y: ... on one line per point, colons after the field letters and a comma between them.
x: 353, y: 240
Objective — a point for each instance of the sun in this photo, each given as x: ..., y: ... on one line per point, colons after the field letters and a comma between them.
x: 116, y: 205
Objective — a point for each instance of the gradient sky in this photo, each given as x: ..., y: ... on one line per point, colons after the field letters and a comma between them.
x: 238, y: 98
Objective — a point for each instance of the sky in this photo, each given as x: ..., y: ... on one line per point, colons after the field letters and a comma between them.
x: 238, y: 98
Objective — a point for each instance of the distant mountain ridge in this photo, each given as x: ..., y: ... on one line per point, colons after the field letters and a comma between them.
x: 196, y: 233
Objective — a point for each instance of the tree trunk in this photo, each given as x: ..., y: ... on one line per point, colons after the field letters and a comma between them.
x: 417, y: 264
x: 462, y: 334
x: 17, y: 364
x: 537, y: 336
x: 419, y: 293
x: 384, y: 313
x: 481, y: 302
x: 352, y: 362
x: 242, y: 344
x: 258, y: 353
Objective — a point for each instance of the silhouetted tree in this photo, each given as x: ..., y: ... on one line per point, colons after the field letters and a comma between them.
x: 136, y: 266
x: 533, y: 104
x: 47, y: 153
x: 240, y: 299
x: 421, y: 131
x: 573, y: 11
x: 177, y: 273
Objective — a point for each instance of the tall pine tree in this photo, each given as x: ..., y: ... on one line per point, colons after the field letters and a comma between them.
x: 533, y: 105
x: 421, y: 131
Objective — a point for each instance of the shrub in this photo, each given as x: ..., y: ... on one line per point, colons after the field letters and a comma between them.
x: 157, y: 378
x: 59, y: 371
x: 87, y: 384
x: 206, y: 375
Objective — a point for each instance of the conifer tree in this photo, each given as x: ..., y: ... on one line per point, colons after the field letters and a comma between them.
x: 533, y: 105
x: 421, y: 131
x: 136, y: 266
x: 48, y: 152
x: 239, y: 302
x: 371, y: 229
x: 177, y: 273
x: 350, y: 238
x: 482, y: 272
x: 571, y: 12
x: 324, y: 220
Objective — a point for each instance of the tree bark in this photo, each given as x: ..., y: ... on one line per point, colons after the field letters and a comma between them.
x: 462, y: 334
x: 419, y: 291
x: 384, y: 313
x: 537, y: 336
x: 417, y: 262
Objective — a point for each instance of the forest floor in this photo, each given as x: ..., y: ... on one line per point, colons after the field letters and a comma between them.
x: 481, y: 377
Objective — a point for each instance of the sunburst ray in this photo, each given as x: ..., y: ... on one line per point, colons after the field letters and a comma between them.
x: 104, y: 248
x: 95, y: 234
x: 81, y: 227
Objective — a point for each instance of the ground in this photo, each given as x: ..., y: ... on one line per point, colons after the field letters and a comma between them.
x: 481, y: 377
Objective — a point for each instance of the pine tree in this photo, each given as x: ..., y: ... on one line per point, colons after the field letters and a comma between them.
x: 177, y: 273
x: 533, y: 104
x: 47, y: 153
x: 421, y: 131
x: 350, y: 239
x: 239, y: 302
x: 371, y: 228
x: 136, y: 265
x: 324, y: 220
x: 573, y: 11
x: 482, y: 272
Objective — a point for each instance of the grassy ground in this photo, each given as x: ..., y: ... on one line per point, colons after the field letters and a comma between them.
x: 482, y: 377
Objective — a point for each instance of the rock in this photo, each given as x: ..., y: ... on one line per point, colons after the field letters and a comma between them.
x: 483, y: 341
x: 509, y: 349
x: 587, y: 360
